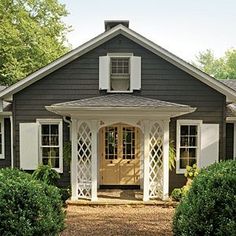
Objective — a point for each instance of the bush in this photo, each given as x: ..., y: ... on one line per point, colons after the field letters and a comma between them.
x: 209, y: 207
x: 177, y: 194
x: 46, y: 174
x: 28, y: 206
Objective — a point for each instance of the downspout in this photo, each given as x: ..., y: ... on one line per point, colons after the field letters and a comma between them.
x: 70, y: 126
x: 12, y: 159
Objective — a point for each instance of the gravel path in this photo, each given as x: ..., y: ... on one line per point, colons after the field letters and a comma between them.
x: 118, y: 220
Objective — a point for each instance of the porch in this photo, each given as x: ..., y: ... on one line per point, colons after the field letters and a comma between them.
x: 149, y: 164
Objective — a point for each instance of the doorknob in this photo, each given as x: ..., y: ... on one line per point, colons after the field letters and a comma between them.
x: 128, y: 162
x: 111, y: 162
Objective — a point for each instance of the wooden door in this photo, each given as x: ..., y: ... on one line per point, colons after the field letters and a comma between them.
x: 120, y: 155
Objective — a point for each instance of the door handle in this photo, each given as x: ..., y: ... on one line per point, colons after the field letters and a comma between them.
x: 128, y: 162
x: 111, y: 162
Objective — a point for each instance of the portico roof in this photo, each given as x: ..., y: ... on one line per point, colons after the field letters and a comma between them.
x: 120, y: 102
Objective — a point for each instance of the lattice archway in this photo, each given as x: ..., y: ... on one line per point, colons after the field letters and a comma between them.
x: 156, y: 136
x: 84, y: 165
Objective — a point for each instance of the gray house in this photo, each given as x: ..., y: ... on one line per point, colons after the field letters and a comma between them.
x: 120, y: 100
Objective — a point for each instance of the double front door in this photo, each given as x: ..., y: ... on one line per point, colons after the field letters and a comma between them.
x: 120, y: 155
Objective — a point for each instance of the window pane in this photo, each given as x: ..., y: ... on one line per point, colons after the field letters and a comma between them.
x: 192, y: 152
x: 184, y: 141
x: 184, y: 130
x: 54, y: 129
x: 54, y: 140
x: 183, y: 163
x: 184, y: 152
x: 193, y: 130
x: 54, y: 162
x: 45, y: 129
x: 45, y: 140
x: 192, y: 161
x: 193, y: 141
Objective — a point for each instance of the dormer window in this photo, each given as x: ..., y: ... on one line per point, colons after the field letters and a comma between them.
x: 119, y: 73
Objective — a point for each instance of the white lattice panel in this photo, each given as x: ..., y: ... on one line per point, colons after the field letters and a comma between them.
x: 155, y: 161
x: 84, y: 161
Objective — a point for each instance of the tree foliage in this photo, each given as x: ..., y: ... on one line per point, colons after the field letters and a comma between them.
x: 220, y: 68
x: 32, y: 34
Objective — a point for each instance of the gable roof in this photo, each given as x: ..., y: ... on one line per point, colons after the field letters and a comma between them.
x: 104, y: 37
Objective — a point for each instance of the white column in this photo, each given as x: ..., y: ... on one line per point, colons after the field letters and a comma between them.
x: 166, y: 160
x: 74, y: 170
x: 94, y: 131
x: 146, y: 160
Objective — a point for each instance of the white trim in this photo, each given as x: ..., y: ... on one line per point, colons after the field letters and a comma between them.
x: 146, y: 125
x: 94, y: 147
x: 12, y: 149
x: 165, y: 195
x: 58, y: 122
x: 234, y: 149
x: 102, y: 38
x: 2, y: 155
x: 74, y: 160
x: 178, y: 124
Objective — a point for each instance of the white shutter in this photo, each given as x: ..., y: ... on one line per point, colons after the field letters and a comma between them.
x: 209, y: 144
x: 135, y: 73
x: 29, y: 146
x: 104, y: 72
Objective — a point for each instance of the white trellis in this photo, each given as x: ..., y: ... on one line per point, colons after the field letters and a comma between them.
x: 84, y: 164
x: 156, y: 136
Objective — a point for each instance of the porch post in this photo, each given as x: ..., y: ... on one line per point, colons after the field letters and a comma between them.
x: 94, y: 131
x: 146, y: 161
x: 74, y: 170
x: 166, y: 160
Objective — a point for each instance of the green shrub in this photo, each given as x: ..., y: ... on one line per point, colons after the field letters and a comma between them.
x: 209, y: 208
x: 177, y: 194
x: 28, y: 206
x: 191, y: 171
x: 46, y: 174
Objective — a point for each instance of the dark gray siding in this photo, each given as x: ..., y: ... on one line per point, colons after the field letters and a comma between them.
x: 229, y: 140
x: 160, y: 80
x: 7, y: 135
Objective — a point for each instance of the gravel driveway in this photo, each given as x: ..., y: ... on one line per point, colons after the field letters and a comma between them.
x: 118, y: 220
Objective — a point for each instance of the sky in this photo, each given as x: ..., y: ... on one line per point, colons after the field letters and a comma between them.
x: 183, y: 27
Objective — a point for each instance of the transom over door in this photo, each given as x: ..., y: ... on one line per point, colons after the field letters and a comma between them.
x: 120, y: 155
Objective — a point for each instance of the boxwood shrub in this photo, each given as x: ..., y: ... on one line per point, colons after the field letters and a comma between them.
x: 209, y: 207
x: 28, y: 206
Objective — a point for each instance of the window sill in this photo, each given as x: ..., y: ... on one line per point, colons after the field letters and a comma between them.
x: 180, y: 171
x: 108, y: 91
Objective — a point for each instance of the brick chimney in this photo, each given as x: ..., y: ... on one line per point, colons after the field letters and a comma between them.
x: 112, y: 23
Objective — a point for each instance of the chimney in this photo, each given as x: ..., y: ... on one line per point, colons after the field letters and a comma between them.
x: 112, y: 23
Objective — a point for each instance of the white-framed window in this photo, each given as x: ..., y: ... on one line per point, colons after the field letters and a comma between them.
x: 187, y: 144
x: 51, y: 143
x: 2, y: 156
x: 120, y: 72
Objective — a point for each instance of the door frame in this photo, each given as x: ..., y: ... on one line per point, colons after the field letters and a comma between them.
x: 138, y: 153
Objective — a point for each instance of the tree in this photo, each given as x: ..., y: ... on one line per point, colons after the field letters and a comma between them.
x: 220, y: 68
x: 32, y: 35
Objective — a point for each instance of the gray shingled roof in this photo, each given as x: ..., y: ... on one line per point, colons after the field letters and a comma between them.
x: 231, y: 108
x: 120, y: 100
x: 2, y: 87
x: 231, y: 83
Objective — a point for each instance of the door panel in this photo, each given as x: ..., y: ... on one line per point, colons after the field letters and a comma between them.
x: 120, y: 155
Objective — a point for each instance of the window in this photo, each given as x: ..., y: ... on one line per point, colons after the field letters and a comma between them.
x: 120, y: 74
x: 51, y: 143
x: 1, y: 138
x: 188, y: 136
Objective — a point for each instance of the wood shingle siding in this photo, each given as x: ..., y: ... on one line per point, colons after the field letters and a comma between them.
x: 160, y: 80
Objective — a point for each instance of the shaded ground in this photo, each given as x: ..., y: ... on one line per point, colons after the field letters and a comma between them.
x: 118, y: 220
